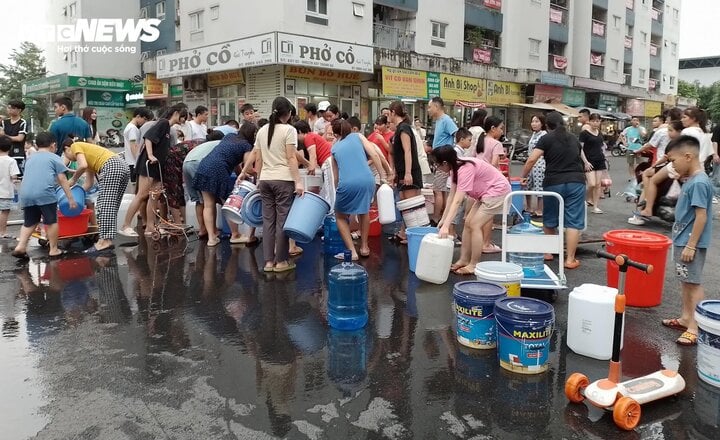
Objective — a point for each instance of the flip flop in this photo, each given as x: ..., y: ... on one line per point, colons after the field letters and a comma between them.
x: 269, y: 269
x: 687, y: 339
x: 8, y: 236
x: 674, y: 324
x: 296, y: 253
x: 57, y: 256
x: 644, y: 217
x: 492, y: 249
x: 95, y: 251
x: 290, y: 266
x: 341, y: 256
x: 574, y: 265
x: 20, y: 255
x: 464, y: 271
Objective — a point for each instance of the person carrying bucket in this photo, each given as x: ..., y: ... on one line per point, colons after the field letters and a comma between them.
x: 692, y: 232
x: 481, y: 182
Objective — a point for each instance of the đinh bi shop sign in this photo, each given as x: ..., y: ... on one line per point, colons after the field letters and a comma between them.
x: 306, y: 51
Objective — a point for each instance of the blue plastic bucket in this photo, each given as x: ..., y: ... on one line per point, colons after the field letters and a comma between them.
x: 707, y: 315
x: 524, y: 326
x: 78, y: 194
x: 414, y: 238
x: 252, y: 209
x: 305, y: 217
x: 474, y: 311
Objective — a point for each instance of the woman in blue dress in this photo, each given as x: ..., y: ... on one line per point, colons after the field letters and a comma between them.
x: 212, y: 178
x: 354, y: 182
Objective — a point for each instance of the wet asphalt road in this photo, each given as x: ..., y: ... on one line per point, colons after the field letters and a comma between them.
x: 197, y: 343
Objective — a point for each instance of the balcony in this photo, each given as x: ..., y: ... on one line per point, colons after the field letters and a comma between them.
x: 558, y: 23
x: 484, y: 14
x: 483, y: 53
x: 602, y: 4
x: 388, y: 37
x: 653, y: 84
x: 597, y: 72
x: 557, y: 63
x: 628, y: 56
x: 628, y: 79
x: 656, y: 27
x: 598, y: 28
x: 404, y: 5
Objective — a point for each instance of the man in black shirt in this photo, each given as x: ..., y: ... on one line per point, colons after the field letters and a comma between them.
x: 16, y: 129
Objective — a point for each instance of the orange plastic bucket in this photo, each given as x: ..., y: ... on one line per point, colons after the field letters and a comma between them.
x: 641, y: 290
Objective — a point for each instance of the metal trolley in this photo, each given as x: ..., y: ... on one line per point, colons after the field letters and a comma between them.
x: 549, y: 282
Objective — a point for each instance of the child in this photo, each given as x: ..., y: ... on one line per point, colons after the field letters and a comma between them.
x: 37, y: 194
x: 8, y: 176
x: 463, y: 141
x: 692, y: 232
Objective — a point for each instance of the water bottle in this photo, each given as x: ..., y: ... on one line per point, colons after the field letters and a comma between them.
x: 533, y: 264
x: 386, y: 204
x: 332, y: 241
x: 347, y: 297
x: 347, y: 359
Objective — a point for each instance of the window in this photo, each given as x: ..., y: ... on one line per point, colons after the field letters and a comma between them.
x: 160, y: 10
x: 438, y: 33
x: 214, y: 12
x: 316, y: 12
x: 534, y: 46
x: 676, y: 14
x: 643, y: 37
x: 73, y: 57
x: 673, y: 48
x: 196, y: 21
x: 614, y: 65
x: 72, y: 10
x: 641, y: 76
x: 143, y: 12
x: 358, y: 9
x: 160, y: 52
x: 672, y: 81
x: 617, y: 21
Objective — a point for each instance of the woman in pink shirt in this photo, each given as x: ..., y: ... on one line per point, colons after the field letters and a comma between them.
x: 484, y: 184
x: 488, y: 146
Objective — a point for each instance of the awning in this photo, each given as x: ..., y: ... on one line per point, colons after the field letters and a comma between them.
x: 562, y: 108
x: 539, y: 106
x: 622, y: 116
x: 603, y: 114
x: 566, y: 110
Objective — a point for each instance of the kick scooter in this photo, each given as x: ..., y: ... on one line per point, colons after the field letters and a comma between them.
x: 623, y: 398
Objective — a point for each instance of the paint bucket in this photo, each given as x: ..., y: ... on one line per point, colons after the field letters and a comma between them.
x: 524, y: 326
x: 474, y: 310
x: 305, y: 217
x: 414, y: 212
x: 252, y: 209
x: 414, y: 239
x: 707, y: 315
x: 232, y: 208
x: 78, y: 194
x: 508, y: 275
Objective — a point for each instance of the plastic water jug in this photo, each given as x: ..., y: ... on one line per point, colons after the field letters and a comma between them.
x: 347, y: 359
x: 347, y: 297
x: 591, y: 314
x: 386, y: 204
x: 434, y: 259
x: 533, y: 264
x: 332, y: 241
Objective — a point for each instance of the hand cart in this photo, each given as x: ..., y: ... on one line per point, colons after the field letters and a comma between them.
x: 166, y: 230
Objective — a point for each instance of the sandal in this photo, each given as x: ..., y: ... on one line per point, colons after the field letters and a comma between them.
x: 355, y: 235
x: 295, y: 253
x: 456, y: 266
x: 687, y: 339
x: 364, y: 254
x: 57, y: 256
x: 492, y: 249
x: 290, y: 266
x: 674, y: 324
x: 20, y: 255
x: 8, y: 236
x: 572, y: 265
x: 464, y: 271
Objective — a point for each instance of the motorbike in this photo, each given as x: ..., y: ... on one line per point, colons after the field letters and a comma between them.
x: 519, y: 149
x: 619, y: 149
x: 664, y: 207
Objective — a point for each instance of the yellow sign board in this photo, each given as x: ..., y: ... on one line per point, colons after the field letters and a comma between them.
x: 503, y: 93
x: 404, y: 83
x: 653, y: 108
x: 153, y: 86
x: 227, y: 78
x: 462, y: 88
x: 323, y: 75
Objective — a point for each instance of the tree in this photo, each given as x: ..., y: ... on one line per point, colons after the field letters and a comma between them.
x: 688, y: 89
x: 26, y: 63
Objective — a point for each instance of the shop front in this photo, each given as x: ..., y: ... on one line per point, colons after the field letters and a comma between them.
x: 499, y: 99
x: 414, y: 87
x: 155, y: 92
x: 305, y: 85
x: 462, y: 96
x: 227, y: 95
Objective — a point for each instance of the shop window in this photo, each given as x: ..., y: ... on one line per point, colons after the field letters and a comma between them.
x: 316, y: 12
x: 160, y: 10
x: 438, y: 33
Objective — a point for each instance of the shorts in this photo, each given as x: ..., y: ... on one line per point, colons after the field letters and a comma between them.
x: 598, y: 165
x: 33, y: 213
x: 133, y: 173
x: 690, y: 273
x: 574, y: 196
x: 671, y: 172
x: 189, y: 169
x: 491, y: 205
x: 440, y: 180
x: 460, y: 213
x: 6, y: 204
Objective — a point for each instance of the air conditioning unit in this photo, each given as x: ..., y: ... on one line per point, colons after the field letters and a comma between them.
x: 195, y: 84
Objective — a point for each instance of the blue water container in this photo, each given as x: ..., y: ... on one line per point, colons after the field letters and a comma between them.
x: 532, y: 263
x: 347, y: 297
x: 332, y: 241
x: 347, y: 358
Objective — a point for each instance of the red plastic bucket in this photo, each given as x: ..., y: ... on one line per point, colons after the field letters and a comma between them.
x: 375, y: 226
x: 641, y: 290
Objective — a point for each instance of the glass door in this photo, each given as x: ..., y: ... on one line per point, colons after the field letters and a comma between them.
x: 227, y: 110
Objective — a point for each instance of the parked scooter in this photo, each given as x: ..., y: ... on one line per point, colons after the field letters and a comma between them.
x: 619, y: 149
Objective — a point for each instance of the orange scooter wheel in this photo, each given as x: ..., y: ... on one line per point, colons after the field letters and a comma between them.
x: 626, y: 413
x: 574, y: 386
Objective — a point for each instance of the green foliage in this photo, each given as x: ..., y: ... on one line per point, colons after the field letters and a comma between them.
x: 26, y: 63
x: 688, y: 89
x: 708, y: 97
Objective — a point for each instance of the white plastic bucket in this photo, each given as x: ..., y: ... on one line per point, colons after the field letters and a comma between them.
x: 414, y: 212
x: 509, y: 275
x: 707, y: 315
x: 232, y: 208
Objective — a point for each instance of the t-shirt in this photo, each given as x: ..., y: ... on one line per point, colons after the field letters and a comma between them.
x: 322, y: 147
x: 634, y: 137
x: 69, y: 124
x: 145, y: 128
x: 197, y: 131
x: 592, y: 146
x: 706, y: 148
x: 478, y: 179
x: 377, y: 138
x: 493, y: 147
x: 40, y: 179
x: 274, y: 157
x: 95, y: 156
x: 563, y: 163
x: 15, y: 129
x: 445, y: 129
x: 226, y: 129
x: 399, y: 152
x: 716, y: 134
x: 201, y: 151
x: 421, y: 154
x: 8, y: 169
x: 697, y: 192
x: 159, y: 135
x: 131, y: 134
x: 476, y: 131
x: 660, y: 139
x: 319, y: 127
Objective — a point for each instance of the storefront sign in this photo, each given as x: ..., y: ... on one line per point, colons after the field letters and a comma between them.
x: 635, y: 107
x: 97, y: 98
x: 227, y: 78
x: 555, y: 78
x: 503, y: 93
x: 44, y: 86
x: 653, y: 108
x: 548, y: 94
x: 315, y: 52
x: 402, y: 83
x: 573, y: 97
x: 433, y: 84
x: 324, y: 75
x: 176, y: 91
x: 247, y: 52
x: 86, y: 82
x: 153, y: 88
x: 462, y: 88
x: 607, y: 102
